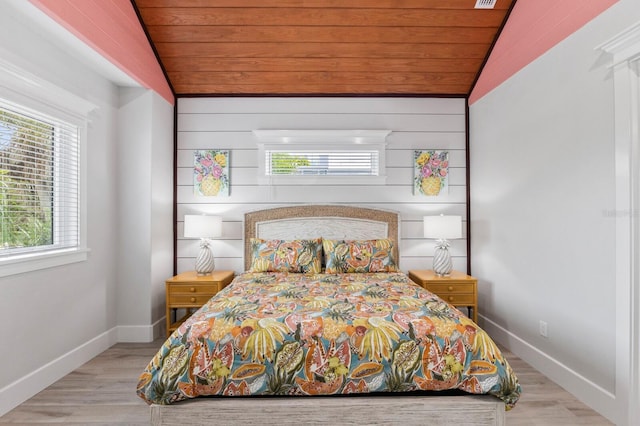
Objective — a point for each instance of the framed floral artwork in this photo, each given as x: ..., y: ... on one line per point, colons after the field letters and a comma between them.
x: 211, y: 173
x: 431, y: 172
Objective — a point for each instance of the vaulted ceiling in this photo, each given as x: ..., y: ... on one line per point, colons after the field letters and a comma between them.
x: 321, y: 47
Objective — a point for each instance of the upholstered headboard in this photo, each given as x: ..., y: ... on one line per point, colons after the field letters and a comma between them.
x: 313, y: 221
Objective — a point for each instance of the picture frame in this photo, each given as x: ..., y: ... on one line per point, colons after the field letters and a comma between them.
x: 431, y: 172
x: 211, y: 173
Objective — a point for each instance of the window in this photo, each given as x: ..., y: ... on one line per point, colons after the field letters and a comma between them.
x: 38, y: 182
x: 295, y: 156
x: 42, y: 203
x: 322, y: 162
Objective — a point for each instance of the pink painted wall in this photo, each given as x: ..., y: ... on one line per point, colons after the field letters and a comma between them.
x: 534, y: 27
x: 111, y: 27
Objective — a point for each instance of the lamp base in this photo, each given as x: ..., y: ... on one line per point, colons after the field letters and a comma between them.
x: 442, y: 264
x: 204, y: 262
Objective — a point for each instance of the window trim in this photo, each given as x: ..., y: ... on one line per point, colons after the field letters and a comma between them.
x: 21, y: 87
x: 21, y: 263
x: 311, y: 139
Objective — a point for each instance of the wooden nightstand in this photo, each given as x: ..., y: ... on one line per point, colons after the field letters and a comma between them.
x: 190, y: 291
x: 458, y: 289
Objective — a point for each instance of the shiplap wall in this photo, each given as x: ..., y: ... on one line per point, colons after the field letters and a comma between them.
x: 227, y: 123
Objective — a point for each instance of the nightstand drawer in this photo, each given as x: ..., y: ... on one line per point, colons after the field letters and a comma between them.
x: 193, y: 289
x: 450, y: 288
x: 183, y: 300
x: 458, y: 299
x: 458, y: 289
x: 189, y: 291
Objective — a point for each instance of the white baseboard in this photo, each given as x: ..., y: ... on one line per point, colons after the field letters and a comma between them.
x: 596, y: 397
x: 24, y: 388
x: 141, y: 333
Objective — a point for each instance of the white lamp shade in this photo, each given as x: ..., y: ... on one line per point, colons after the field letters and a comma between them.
x: 443, y: 227
x: 202, y: 226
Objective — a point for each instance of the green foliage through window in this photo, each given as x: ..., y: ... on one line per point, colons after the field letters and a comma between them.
x: 26, y: 181
x: 317, y: 162
x: 283, y: 163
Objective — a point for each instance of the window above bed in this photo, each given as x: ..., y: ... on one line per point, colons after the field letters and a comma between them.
x: 307, y: 156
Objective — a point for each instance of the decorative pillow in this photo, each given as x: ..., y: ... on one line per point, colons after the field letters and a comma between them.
x: 359, y: 256
x: 303, y: 256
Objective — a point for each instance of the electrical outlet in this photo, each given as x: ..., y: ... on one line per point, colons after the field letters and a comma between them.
x: 543, y: 329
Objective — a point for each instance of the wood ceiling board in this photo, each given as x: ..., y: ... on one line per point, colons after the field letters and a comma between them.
x: 319, y: 34
x: 327, y: 89
x: 334, y: 4
x: 319, y: 47
x: 273, y: 78
x: 201, y: 64
x: 323, y: 17
x: 321, y: 50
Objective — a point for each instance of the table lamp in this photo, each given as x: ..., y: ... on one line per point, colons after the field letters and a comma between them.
x: 442, y: 228
x: 203, y: 227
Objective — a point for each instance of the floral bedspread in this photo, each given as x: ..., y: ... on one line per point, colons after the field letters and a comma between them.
x: 319, y: 334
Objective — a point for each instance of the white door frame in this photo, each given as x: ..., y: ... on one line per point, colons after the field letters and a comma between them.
x: 624, y: 51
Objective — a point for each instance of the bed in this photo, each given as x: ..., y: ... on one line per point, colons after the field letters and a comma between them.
x: 323, y: 327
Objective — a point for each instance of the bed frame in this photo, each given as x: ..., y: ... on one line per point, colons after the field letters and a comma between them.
x: 334, y: 222
x: 313, y: 221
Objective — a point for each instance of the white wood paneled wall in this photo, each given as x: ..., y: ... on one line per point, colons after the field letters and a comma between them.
x: 227, y: 123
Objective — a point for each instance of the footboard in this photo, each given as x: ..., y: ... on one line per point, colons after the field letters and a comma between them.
x: 405, y: 410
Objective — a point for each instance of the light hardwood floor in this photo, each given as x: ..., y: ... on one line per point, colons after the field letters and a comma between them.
x: 103, y: 392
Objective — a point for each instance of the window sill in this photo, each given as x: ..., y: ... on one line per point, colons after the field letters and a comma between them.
x: 35, y: 261
x: 321, y: 180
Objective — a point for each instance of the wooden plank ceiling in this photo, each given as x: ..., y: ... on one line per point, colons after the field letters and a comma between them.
x: 321, y: 47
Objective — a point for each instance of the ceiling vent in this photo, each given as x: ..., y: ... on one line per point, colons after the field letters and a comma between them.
x: 485, y: 4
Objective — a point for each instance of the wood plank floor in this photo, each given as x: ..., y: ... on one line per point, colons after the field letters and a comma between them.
x: 102, y: 392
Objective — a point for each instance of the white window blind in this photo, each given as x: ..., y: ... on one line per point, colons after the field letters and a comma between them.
x: 39, y: 182
x: 321, y: 162
x: 303, y: 157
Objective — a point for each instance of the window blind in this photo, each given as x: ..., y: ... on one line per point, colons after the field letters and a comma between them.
x: 321, y: 162
x: 39, y: 181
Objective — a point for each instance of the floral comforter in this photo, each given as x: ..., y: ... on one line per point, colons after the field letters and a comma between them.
x: 319, y: 334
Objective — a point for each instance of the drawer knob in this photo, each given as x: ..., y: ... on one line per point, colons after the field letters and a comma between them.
x: 193, y: 299
x: 450, y: 288
x: 192, y: 289
x: 450, y: 298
